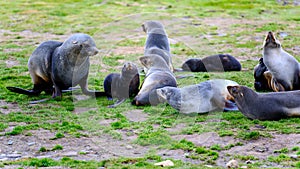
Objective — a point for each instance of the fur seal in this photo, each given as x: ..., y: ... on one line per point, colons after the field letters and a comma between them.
x: 262, y: 77
x: 62, y: 65
x: 204, y: 97
x: 210, y: 63
x: 268, y: 106
x: 157, y: 41
x: 39, y: 66
x: 159, y: 75
x: 283, y: 66
x: 122, y: 85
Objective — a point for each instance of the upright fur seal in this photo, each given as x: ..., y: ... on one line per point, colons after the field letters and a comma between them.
x: 269, y: 106
x: 159, y: 75
x: 39, y: 65
x: 283, y: 66
x: 207, y: 96
x: 157, y: 41
x: 122, y: 85
x: 61, y: 65
x: 210, y: 63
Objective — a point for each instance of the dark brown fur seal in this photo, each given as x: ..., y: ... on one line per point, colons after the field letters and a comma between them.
x: 159, y: 75
x: 269, y: 106
x: 62, y: 65
x: 157, y: 41
x: 213, y: 63
x: 122, y: 85
x: 283, y: 66
x: 262, y: 77
x: 211, y: 95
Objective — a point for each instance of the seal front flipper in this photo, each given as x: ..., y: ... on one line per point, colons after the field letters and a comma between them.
x: 230, y: 106
x: 22, y: 91
x: 39, y: 101
x: 117, y: 103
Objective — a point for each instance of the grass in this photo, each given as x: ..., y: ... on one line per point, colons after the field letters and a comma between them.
x: 197, y: 29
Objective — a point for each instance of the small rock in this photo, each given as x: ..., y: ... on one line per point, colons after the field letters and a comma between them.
x: 294, y: 156
x: 232, y: 164
x: 244, y: 166
x: 129, y: 147
x: 31, y: 143
x: 167, y: 163
x: 14, y: 156
x: 70, y: 154
x: 3, y: 159
x: 10, y: 142
x: 283, y: 34
x: 209, y: 166
x: 248, y: 162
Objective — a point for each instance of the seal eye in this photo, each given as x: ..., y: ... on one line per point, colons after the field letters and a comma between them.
x: 75, y: 42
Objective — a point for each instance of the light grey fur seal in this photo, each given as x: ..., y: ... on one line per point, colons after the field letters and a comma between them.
x: 283, y: 66
x: 158, y: 75
x: 211, y: 95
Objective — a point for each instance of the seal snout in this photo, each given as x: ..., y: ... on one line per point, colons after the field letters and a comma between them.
x: 270, y: 38
x: 93, y: 51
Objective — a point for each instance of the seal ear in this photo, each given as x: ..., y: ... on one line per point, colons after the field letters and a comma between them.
x: 145, y: 60
x: 144, y: 28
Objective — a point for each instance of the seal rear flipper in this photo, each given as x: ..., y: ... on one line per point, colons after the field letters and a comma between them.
x: 23, y: 91
x: 230, y: 106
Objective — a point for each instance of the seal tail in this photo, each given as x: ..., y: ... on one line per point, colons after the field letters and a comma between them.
x: 22, y: 91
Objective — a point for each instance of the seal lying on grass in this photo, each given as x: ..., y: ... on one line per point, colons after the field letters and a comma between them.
x: 219, y: 63
x: 62, y: 65
x: 207, y: 96
x: 269, y: 106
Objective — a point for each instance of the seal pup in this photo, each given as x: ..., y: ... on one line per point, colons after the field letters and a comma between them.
x: 157, y: 41
x: 159, y: 75
x: 62, y: 65
x: 122, y: 85
x: 211, y: 95
x: 262, y: 77
x: 268, y: 106
x: 215, y: 63
x: 283, y: 66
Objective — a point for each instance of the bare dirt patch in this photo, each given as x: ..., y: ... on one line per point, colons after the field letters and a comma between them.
x: 84, y: 148
x: 7, y: 108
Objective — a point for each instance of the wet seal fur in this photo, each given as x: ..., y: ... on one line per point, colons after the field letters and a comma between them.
x: 211, y: 95
x: 122, y: 85
x: 159, y: 75
x: 283, y: 67
x: 62, y: 65
x: 157, y: 41
x: 269, y: 106
x: 213, y: 63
